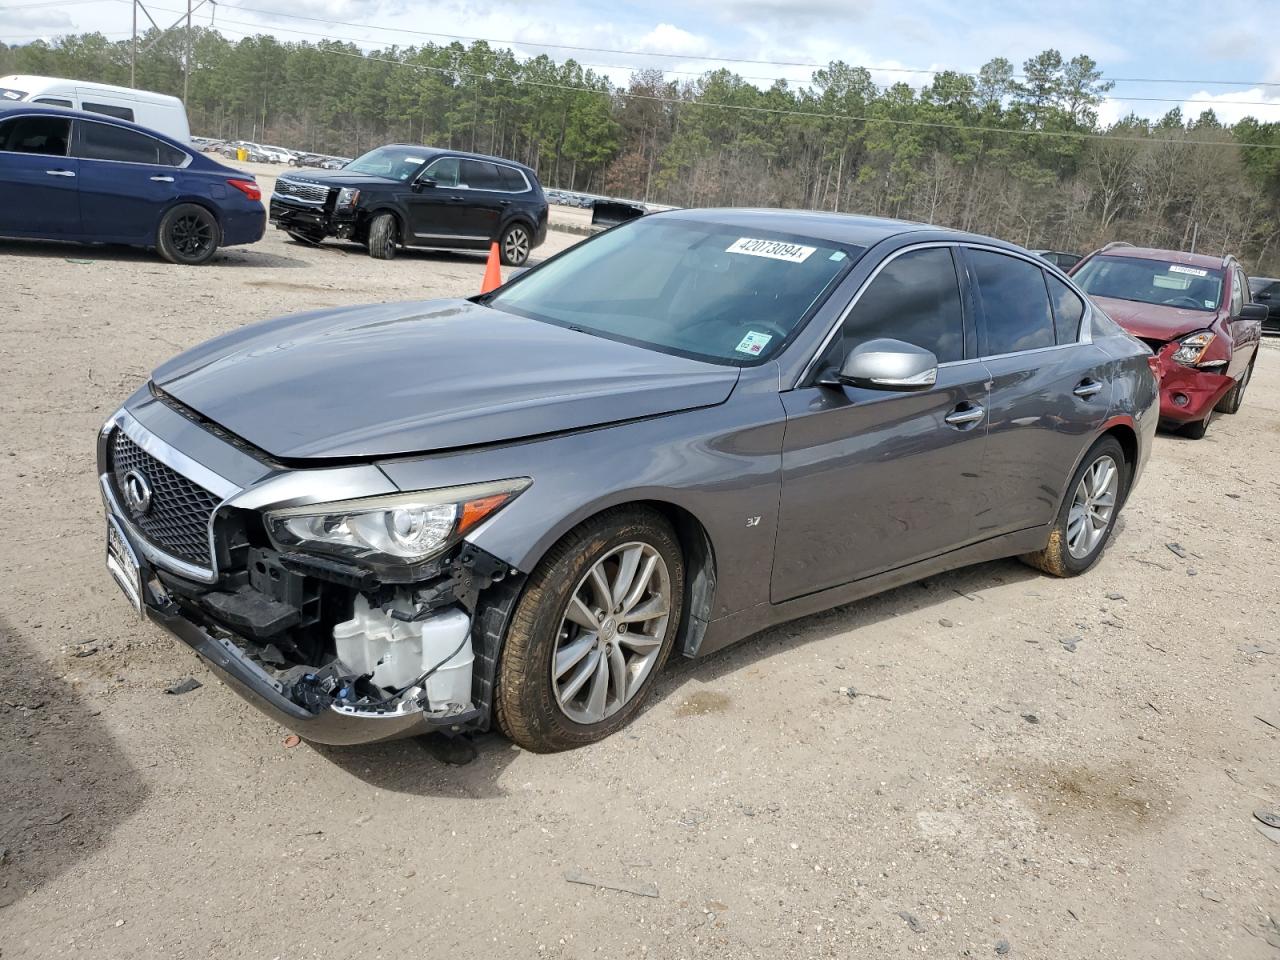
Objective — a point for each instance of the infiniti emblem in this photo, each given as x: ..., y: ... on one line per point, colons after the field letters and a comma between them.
x: 137, y: 492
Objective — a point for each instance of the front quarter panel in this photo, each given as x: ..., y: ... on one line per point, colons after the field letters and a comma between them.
x: 721, y: 464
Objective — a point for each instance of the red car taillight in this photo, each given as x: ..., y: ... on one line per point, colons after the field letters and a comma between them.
x: 247, y: 187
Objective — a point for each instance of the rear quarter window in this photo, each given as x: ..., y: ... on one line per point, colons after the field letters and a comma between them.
x: 1068, y: 310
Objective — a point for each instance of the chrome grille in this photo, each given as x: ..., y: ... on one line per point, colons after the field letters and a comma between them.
x: 177, y: 521
x: 301, y: 190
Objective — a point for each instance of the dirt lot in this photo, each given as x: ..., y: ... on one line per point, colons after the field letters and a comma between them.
x: 990, y: 789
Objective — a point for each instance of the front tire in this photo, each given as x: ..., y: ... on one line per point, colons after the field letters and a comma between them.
x: 1088, y: 513
x: 383, y: 236
x: 515, y: 245
x: 188, y: 235
x: 593, y: 628
x: 1233, y: 399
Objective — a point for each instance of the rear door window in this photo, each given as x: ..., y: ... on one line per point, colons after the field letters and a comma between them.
x: 1015, y: 303
x: 108, y: 110
x: 47, y: 136
x: 480, y: 175
x: 916, y: 299
x: 102, y: 141
x: 1068, y: 310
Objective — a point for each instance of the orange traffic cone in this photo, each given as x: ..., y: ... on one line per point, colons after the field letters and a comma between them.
x: 492, y: 271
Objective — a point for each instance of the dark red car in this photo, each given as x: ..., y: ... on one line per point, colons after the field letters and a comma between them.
x: 1196, y: 314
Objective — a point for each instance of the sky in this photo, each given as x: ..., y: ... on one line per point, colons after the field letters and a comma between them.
x: 1221, y: 54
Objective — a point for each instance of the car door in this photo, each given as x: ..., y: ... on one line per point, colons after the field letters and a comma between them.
x: 435, y: 203
x: 1050, y: 389
x: 1245, y: 334
x: 127, y: 180
x: 38, y: 180
x: 877, y: 479
x: 486, y: 202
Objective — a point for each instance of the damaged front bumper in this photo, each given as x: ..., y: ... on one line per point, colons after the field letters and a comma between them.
x: 1187, y: 394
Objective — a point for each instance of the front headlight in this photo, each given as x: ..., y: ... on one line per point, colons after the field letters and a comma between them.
x: 1192, y: 348
x: 347, y: 197
x: 399, y: 529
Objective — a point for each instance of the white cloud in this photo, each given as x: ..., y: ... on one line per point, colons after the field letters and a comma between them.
x: 666, y: 38
x: 1236, y: 105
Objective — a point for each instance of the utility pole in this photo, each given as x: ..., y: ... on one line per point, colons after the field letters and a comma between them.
x: 192, y: 7
x: 133, y: 50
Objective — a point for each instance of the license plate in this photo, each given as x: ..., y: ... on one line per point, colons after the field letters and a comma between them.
x: 123, y: 564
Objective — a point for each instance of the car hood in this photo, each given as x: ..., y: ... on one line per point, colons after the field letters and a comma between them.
x: 400, y: 378
x: 1152, y: 321
x: 337, y: 178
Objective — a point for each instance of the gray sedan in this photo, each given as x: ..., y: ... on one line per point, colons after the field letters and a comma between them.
x: 380, y: 521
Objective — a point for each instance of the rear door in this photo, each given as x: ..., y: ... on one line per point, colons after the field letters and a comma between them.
x: 38, y: 180
x: 1050, y: 391
x: 877, y: 479
x: 487, y: 201
x: 127, y: 180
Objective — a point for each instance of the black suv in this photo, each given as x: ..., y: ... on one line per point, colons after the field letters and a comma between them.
x: 1266, y: 290
x: 405, y: 195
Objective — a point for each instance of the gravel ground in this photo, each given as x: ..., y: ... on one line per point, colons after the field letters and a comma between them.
x: 1036, y: 767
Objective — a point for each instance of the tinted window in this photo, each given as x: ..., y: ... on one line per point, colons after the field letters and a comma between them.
x: 511, y: 179
x: 7, y: 93
x: 915, y: 298
x: 479, y: 175
x: 52, y: 100
x: 43, y: 135
x: 108, y: 110
x: 1068, y: 310
x: 1014, y: 303
x: 101, y: 141
x: 444, y: 172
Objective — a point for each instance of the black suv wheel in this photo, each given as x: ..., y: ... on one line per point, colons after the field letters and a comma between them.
x: 515, y: 245
x: 383, y: 237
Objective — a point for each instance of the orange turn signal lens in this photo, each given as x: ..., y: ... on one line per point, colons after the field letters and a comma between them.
x: 474, y: 511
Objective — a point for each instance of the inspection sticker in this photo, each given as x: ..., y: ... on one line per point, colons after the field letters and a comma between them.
x: 1193, y: 271
x: 773, y: 249
x: 753, y: 343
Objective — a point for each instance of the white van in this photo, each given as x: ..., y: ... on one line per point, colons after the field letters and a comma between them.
x: 155, y: 110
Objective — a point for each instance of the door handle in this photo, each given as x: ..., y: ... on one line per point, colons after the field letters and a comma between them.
x: 966, y: 414
x: 163, y: 179
x: 456, y: 199
x: 1087, y: 389
x: 61, y: 173
x: 504, y: 203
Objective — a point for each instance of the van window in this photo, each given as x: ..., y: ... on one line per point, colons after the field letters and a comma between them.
x: 55, y: 101
x: 102, y: 141
x: 108, y: 110
x: 47, y: 136
x: 9, y: 94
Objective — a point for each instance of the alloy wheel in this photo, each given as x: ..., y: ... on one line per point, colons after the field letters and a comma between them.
x: 515, y: 245
x: 191, y: 235
x: 611, y: 632
x: 1092, y: 507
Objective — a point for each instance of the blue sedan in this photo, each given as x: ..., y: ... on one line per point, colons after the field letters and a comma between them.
x: 88, y: 178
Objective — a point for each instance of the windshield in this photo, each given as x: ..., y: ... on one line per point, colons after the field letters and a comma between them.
x: 395, y: 163
x: 8, y: 94
x: 1151, y: 281
x: 726, y: 294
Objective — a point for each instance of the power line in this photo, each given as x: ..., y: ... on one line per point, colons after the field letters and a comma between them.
x: 679, y: 56
x: 779, y: 111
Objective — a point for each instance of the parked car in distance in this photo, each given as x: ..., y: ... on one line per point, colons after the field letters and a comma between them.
x: 668, y: 437
x: 275, y: 154
x: 84, y: 177
x: 1063, y: 261
x: 1266, y: 290
x: 156, y: 111
x: 1194, y: 312
x: 412, y: 196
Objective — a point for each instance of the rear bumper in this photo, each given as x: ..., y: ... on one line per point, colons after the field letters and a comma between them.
x: 243, y: 226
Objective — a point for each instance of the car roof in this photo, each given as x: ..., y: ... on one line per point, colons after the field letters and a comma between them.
x: 18, y: 109
x: 1170, y: 256
x: 38, y: 80
x: 841, y: 228
x: 436, y: 151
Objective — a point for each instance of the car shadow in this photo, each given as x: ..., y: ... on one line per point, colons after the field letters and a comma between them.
x: 66, y: 783
x: 418, y: 766
x: 476, y: 257
x: 238, y: 256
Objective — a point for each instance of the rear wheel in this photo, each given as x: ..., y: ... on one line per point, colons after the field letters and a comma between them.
x: 383, y: 237
x: 1233, y: 398
x: 515, y: 245
x: 594, y: 626
x: 1088, y: 514
x: 188, y: 234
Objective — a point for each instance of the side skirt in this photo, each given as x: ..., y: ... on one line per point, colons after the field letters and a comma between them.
x: 729, y: 630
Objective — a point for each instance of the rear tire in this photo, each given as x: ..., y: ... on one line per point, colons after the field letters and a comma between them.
x: 1233, y: 398
x: 545, y: 711
x: 1075, y: 541
x: 383, y: 237
x: 188, y: 235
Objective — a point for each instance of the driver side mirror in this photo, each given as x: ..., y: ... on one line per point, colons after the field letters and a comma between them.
x: 1253, y: 311
x: 886, y: 364
x: 423, y: 182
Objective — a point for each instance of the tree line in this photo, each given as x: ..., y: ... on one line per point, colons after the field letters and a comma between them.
x: 1016, y: 155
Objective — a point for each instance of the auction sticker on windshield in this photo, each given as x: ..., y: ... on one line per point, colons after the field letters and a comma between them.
x: 773, y: 249
x: 1192, y: 271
